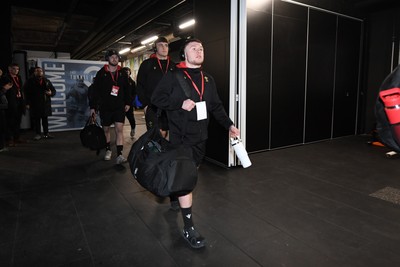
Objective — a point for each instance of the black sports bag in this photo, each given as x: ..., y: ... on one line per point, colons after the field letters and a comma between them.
x: 160, y: 167
x: 92, y: 136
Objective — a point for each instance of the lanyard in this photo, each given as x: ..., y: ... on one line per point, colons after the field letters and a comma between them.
x: 18, y: 85
x: 116, y: 77
x: 195, y: 86
x: 159, y: 64
x: 16, y: 82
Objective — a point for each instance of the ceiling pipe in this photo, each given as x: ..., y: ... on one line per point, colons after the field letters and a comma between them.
x: 102, y: 24
x: 67, y: 18
x: 126, y: 22
x: 143, y: 15
x: 111, y: 32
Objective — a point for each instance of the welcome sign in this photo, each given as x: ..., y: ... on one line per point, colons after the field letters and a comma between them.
x: 71, y: 79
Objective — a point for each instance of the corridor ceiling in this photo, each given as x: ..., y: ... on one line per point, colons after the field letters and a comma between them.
x: 86, y: 28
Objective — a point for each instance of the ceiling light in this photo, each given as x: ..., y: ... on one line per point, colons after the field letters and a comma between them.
x: 149, y: 40
x: 136, y: 49
x: 123, y: 51
x: 187, y: 24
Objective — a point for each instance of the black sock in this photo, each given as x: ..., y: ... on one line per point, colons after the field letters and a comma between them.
x: 173, y: 198
x: 108, y: 146
x: 119, y: 150
x: 187, y: 217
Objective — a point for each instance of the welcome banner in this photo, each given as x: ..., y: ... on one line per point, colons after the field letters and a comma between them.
x: 71, y: 79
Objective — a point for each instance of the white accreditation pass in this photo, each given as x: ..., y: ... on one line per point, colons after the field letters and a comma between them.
x: 201, y: 110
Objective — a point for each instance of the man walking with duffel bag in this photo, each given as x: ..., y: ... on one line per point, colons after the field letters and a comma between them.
x: 188, y: 117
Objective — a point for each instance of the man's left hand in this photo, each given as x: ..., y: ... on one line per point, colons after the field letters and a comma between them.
x: 233, y: 131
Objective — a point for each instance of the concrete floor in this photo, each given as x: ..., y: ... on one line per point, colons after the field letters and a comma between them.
x: 311, y: 205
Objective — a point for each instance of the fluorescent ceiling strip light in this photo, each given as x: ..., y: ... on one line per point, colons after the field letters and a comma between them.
x: 136, y: 49
x: 187, y: 24
x: 149, y: 40
x: 125, y: 50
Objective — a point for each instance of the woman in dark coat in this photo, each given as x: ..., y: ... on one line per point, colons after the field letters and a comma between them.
x: 39, y: 91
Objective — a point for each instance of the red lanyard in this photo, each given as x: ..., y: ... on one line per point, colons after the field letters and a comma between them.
x: 116, y: 77
x: 16, y: 82
x: 195, y: 86
x: 159, y: 64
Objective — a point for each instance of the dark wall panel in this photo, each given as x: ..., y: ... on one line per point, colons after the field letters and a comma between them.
x: 5, y: 45
x: 347, y: 72
x: 258, y: 78
x: 288, y: 74
x: 381, y: 32
x: 213, y: 28
x: 320, y: 75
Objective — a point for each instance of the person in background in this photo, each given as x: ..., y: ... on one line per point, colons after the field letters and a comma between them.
x: 39, y: 90
x: 188, y: 117
x: 5, y: 85
x: 151, y: 71
x: 111, y: 95
x: 16, y: 106
x: 129, y: 114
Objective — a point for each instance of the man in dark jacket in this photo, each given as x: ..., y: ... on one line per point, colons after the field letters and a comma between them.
x: 129, y: 114
x: 149, y: 75
x: 16, y: 105
x: 189, y: 96
x: 151, y: 71
x: 111, y: 94
x: 39, y: 90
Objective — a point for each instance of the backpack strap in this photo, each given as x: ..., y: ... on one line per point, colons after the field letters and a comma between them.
x: 183, y: 83
x: 188, y: 92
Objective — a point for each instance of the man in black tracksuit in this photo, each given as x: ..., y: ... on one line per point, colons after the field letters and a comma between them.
x: 151, y: 71
x: 188, y: 113
x: 111, y: 94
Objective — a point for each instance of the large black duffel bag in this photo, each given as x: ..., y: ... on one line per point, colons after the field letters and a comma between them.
x: 92, y: 136
x: 161, y: 167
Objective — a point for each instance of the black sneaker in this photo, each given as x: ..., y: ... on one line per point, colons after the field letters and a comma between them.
x: 193, y: 237
x: 48, y: 136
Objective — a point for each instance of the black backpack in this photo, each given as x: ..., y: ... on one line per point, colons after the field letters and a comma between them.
x: 92, y: 136
x: 383, y: 127
x: 161, y: 167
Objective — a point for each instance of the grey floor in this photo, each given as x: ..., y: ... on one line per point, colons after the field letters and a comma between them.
x: 333, y: 203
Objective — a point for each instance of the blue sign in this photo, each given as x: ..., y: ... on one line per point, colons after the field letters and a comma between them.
x: 71, y: 79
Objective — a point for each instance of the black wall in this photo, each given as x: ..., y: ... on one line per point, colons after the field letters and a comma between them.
x: 347, y: 77
x: 382, y: 35
x: 5, y: 45
x: 258, y: 77
x: 288, y: 74
x: 213, y: 29
x: 320, y: 82
x: 306, y: 88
